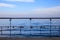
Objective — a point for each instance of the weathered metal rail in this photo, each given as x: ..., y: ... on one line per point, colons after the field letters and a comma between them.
x: 31, y: 27
x: 29, y: 18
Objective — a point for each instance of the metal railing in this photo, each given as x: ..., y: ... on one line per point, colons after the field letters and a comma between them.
x: 44, y: 30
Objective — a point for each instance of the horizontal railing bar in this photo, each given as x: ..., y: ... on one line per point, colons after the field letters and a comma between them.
x: 31, y: 30
x: 34, y: 26
x: 29, y: 18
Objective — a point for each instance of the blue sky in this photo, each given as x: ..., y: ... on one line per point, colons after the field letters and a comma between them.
x: 29, y: 8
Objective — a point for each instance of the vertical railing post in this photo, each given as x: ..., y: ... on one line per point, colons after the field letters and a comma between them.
x: 20, y: 30
x: 50, y: 26
x: 1, y: 30
x: 59, y: 30
x: 10, y: 26
x: 39, y: 28
x: 30, y: 26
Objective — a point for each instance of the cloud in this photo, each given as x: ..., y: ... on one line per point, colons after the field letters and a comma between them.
x: 53, y: 11
x: 37, y: 12
x: 47, y: 10
x: 21, y: 0
x: 7, y: 5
